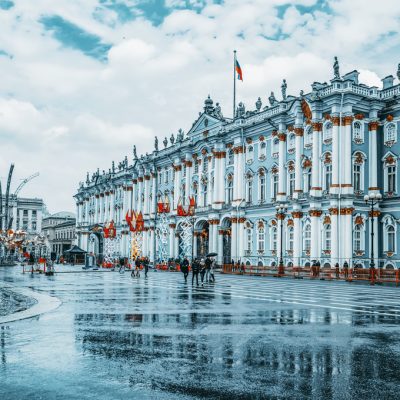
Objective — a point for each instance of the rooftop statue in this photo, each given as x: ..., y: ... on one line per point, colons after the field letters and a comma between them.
x: 272, y: 99
x: 179, y: 136
x: 165, y: 141
x: 208, y: 105
x: 398, y: 72
x: 283, y: 88
x: 336, y: 69
x: 134, y: 152
x: 241, y: 110
x: 113, y: 165
x: 258, y: 104
x: 172, y: 139
x: 218, y: 111
x: 156, y: 143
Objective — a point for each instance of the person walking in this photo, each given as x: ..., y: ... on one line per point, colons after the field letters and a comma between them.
x: 121, y: 265
x: 202, y: 270
x: 195, y: 271
x: 212, y: 270
x: 137, y: 267
x: 337, y: 271
x: 185, y: 268
x: 346, y: 269
x: 146, y: 263
x: 318, y: 268
x: 208, y: 263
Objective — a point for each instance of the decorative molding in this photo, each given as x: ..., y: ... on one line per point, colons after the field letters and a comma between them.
x: 373, y: 126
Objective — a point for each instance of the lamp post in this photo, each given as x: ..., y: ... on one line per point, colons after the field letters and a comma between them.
x: 280, y: 214
x: 372, y: 200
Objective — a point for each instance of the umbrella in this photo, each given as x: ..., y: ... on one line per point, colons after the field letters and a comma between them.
x: 212, y: 254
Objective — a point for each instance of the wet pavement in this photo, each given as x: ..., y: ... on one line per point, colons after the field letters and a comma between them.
x: 11, y: 302
x: 115, y: 337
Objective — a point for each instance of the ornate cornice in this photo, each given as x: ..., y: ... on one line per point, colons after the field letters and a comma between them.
x: 282, y: 136
x: 348, y: 120
x: 297, y: 214
x: 346, y: 211
x: 373, y: 126
x: 317, y: 126
x: 315, y: 213
x: 299, y: 131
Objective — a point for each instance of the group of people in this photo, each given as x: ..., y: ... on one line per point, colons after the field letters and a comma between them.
x: 238, y: 266
x: 204, y: 266
x: 140, y: 261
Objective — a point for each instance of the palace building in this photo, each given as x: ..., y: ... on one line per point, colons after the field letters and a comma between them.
x: 318, y: 153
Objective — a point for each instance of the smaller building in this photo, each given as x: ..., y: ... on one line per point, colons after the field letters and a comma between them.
x: 59, y: 231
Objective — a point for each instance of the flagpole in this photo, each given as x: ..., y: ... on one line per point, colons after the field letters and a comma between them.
x: 234, y: 84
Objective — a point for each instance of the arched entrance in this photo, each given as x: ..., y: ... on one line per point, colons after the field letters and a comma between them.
x: 201, y: 233
x: 226, y: 240
x: 96, y: 244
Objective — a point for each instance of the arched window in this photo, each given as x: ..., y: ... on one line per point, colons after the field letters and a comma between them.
x: 230, y: 157
x: 275, y: 147
x: 261, y: 238
x: 290, y: 236
x: 358, y: 136
x: 250, y: 154
x: 328, y: 132
x: 391, y: 178
x: 390, y: 133
x: 391, y: 239
x: 291, y: 179
x: 274, y: 183
x: 307, y: 238
x: 308, y: 137
x: 358, y: 172
x: 274, y: 239
x: 357, y: 238
x: 249, y: 189
x: 229, y: 189
x: 249, y: 240
x: 263, y: 151
x: 261, y: 185
x: 327, y: 237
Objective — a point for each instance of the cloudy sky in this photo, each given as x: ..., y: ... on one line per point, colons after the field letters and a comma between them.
x: 81, y: 81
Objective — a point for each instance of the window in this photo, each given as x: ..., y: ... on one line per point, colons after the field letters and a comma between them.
x: 291, y: 145
x: 308, y: 137
x: 230, y: 157
x: 328, y: 132
x: 275, y: 148
x: 250, y: 154
x: 204, y: 195
x: 261, y: 239
x: 275, y: 178
x: 357, y: 132
x: 327, y: 237
x: 195, y: 192
x: 184, y: 171
x: 229, y: 189
x: 290, y: 239
x: 196, y: 167
x: 307, y: 238
x: 307, y: 180
x: 249, y: 240
x: 263, y: 151
x: 274, y: 238
x: 391, y: 178
x: 34, y: 225
x: 291, y: 181
x: 205, y: 164
x: 261, y: 177
x: 166, y: 176
x: 357, y: 177
x: 328, y: 176
x: 160, y: 177
x: 249, y: 191
x: 357, y: 238
x: 391, y: 239
x: 390, y: 133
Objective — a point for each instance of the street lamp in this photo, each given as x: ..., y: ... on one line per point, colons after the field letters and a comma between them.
x: 280, y: 214
x: 372, y: 200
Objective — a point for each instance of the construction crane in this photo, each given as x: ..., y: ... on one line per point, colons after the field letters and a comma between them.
x: 24, y: 182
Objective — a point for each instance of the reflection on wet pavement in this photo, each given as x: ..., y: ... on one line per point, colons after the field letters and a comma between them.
x: 242, y: 338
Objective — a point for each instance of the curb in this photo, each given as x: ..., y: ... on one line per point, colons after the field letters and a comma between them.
x: 45, y: 303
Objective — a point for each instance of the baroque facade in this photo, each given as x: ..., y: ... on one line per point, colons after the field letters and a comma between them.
x: 319, y: 153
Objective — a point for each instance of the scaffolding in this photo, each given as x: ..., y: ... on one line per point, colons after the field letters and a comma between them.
x: 111, y: 242
x: 187, y: 218
x: 136, y: 227
x: 162, y: 230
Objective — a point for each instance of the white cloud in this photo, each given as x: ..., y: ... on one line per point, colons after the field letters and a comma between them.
x: 64, y: 113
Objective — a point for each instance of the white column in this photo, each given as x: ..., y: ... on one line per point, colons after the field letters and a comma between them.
x: 315, y: 234
x: 210, y: 187
x: 281, y: 195
x: 334, y: 189
x: 334, y: 235
x: 221, y: 173
x: 347, y: 230
x: 298, y: 187
x: 188, y: 177
x: 154, y: 192
x: 112, y: 204
x: 177, y: 183
x: 297, y: 244
x: 347, y: 184
x: 240, y: 177
x: 240, y: 234
x: 234, y: 239
x: 176, y: 245
x: 147, y: 194
x: 373, y: 158
x: 107, y: 204
x: 29, y: 220
x: 172, y: 227
x: 220, y: 257
x: 316, y: 189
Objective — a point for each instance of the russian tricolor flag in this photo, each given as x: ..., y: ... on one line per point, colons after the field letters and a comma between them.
x: 239, y: 71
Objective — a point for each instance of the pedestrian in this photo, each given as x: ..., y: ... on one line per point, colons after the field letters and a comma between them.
x: 202, y: 270
x: 137, y: 267
x: 208, y: 263
x: 242, y: 268
x: 337, y: 272
x: 185, y: 268
x: 146, y: 263
x: 313, y: 268
x: 346, y: 269
x: 318, y: 267
x: 121, y: 265
x: 195, y: 271
x: 212, y: 270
